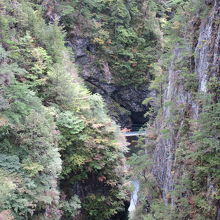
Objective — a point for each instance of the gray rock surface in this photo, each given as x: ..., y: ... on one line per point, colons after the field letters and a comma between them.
x: 123, y: 102
x: 179, y: 101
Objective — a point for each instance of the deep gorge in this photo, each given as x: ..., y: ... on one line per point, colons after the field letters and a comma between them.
x: 76, y: 75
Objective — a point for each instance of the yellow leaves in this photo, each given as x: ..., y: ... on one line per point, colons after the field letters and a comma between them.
x: 98, y: 140
x: 77, y: 160
x: 32, y: 167
x: 99, y: 41
x: 110, y: 129
x: 163, y: 22
x: 111, y: 183
x: 51, y: 111
x: 42, y: 81
x: 214, y: 194
x: 116, y: 145
x: 168, y: 9
x: 101, y: 140
x: 7, y: 182
x: 168, y: 196
x: 3, y: 121
x: 92, y: 196
x: 176, y: 25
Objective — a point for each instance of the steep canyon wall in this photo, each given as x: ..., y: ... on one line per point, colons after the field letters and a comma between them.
x: 174, y: 169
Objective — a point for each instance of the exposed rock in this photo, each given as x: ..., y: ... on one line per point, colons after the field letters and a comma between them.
x: 178, y: 102
x: 124, y: 102
x: 164, y: 155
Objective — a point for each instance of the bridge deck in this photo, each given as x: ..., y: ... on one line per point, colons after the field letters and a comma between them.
x: 134, y: 133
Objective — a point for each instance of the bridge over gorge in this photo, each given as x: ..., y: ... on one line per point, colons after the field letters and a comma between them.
x: 134, y: 131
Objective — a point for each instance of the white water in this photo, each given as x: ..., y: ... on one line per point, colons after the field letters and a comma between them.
x: 134, y: 196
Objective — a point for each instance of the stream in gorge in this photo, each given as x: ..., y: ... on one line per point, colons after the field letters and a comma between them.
x: 130, y: 205
x: 133, y: 140
x: 134, y: 183
x: 134, y: 196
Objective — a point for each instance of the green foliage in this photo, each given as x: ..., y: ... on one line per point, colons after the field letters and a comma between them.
x: 40, y: 66
x: 30, y: 162
x: 8, y: 71
x: 120, y: 32
x: 71, y: 208
x: 22, y: 102
x: 194, y: 173
x: 46, y: 111
x: 95, y: 209
x: 7, y: 182
x: 31, y: 141
x: 9, y: 163
x: 207, y: 142
x: 91, y: 148
x: 67, y: 120
x: 49, y: 36
x: 32, y: 168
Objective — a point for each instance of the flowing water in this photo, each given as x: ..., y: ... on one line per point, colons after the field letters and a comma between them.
x: 134, y: 196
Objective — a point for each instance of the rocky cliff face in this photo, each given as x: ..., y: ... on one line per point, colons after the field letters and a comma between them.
x: 207, y: 49
x: 176, y: 100
x: 123, y: 102
x: 180, y: 105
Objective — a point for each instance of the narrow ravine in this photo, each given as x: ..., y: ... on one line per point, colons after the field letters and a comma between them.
x: 132, y: 137
x: 109, y: 109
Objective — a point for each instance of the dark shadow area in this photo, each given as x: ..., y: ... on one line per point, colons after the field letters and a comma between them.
x: 123, y: 215
x: 138, y: 120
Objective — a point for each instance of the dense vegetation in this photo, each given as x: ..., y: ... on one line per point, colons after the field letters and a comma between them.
x: 55, y: 137
x: 194, y: 139
x: 122, y: 31
x: 61, y: 155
